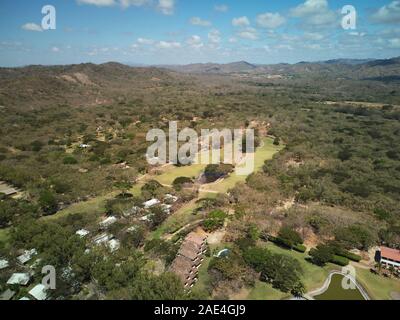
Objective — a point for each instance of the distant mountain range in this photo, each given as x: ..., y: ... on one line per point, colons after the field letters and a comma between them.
x: 359, y: 67
x: 98, y: 84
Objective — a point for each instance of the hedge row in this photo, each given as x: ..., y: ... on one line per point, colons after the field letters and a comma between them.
x: 341, y: 261
x: 282, y: 242
x: 300, y: 248
x: 349, y: 255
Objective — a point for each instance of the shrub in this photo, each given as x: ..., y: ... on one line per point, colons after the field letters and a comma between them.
x: 215, y: 220
x: 180, y: 181
x: 213, y: 172
x: 290, y: 236
x: 341, y: 261
x: 70, y: 160
x: 300, y: 248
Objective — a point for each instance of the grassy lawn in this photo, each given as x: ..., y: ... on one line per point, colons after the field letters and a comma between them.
x: 378, y: 287
x: 4, y: 235
x: 264, y: 291
x: 263, y: 153
x: 92, y: 206
x: 192, y: 171
x: 313, y: 276
x: 177, y: 220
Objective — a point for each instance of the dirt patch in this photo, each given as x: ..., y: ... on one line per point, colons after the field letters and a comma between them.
x: 216, y: 237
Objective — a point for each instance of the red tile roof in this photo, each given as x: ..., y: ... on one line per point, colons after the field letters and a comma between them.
x: 389, y: 253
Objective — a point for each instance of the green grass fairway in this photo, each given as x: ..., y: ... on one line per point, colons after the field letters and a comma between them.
x: 177, y: 220
x: 264, y: 291
x: 313, y: 276
x: 4, y: 234
x: 377, y: 287
x: 263, y: 153
x: 169, y: 176
x: 92, y: 206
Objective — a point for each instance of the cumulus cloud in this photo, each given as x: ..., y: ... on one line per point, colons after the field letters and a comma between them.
x: 135, y: 3
x: 315, y: 13
x: 32, y: 27
x: 221, y: 8
x: 270, y: 20
x: 313, y: 36
x: 99, y: 3
x: 248, y: 33
x: 166, y: 6
x: 55, y: 49
x: 214, y: 36
x: 241, y: 22
x: 394, y: 43
x: 195, y: 42
x: 389, y: 13
x: 168, y: 45
x: 145, y: 41
x: 196, y: 21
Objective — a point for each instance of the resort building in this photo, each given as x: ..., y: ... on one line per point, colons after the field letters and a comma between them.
x: 19, y: 278
x: 189, y: 258
x: 108, y: 222
x: 39, y: 292
x: 27, y: 256
x: 390, y: 257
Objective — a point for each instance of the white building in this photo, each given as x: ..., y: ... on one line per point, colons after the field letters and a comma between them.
x: 4, y: 264
x: 108, y: 222
x: 114, y: 245
x: 166, y: 208
x: 151, y: 203
x: 26, y: 256
x: 39, y: 292
x: 19, y: 278
x: 170, y: 198
x: 82, y: 233
x: 102, y: 238
x: 390, y: 257
x: 146, y: 218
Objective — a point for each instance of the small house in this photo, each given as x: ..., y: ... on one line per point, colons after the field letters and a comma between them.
x: 19, y: 278
x: 151, y: 203
x: 27, y: 256
x: 108, y: 222
x: 4, y: 264
x: 39, y: 292
x: 82, y: 233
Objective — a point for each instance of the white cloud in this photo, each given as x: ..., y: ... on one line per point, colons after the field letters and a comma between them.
x: 270, y: 20
x: 195, y: 42
x: 283, y: 47
x: 166, y: 6
x: 232, y: 40
x: 55, y: 49
x: 214, y: 36
x: 221, y: 8
x: 315, y: 13
x: 248, y: 33
x: 394, y: 43
x: 99, y: 3
x: 200, y: 22
x: 168, y: 45
x: 313, y: 36
x: 135, y: 3
x: 32, y: 27
x: 389, y: 13
x: 241, y: 22
x: 145, y: 41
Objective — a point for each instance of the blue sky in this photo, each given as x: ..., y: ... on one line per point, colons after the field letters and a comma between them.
x: 191, y: 31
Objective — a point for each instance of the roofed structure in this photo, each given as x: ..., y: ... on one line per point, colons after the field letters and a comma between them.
x: 189, y: 258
